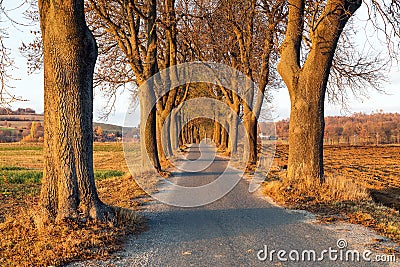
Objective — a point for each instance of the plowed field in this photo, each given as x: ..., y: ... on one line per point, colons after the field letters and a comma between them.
x: 376, y: 167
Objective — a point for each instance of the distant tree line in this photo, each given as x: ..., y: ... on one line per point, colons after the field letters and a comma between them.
x: 100, y: 135
x: 19, y: 111
x: 357, y: 129
x: 33, y: 132
x: 26, y: 132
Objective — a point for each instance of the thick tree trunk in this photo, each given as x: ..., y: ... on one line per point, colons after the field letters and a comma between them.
x: 307, y: 83
x: 70, y: 52
x: 148, y: 125
x: 182, y: 137
x: 185, y: 133
x: 306, y: 131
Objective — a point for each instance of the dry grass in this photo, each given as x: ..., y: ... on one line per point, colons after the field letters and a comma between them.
x: 300, y: 192
x: 22, y: 244
x: 125, y: 192
x: 353, y: 174
x: 107, y: 156
x: 384, y: 220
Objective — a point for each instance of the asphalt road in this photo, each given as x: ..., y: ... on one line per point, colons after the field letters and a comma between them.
x: 228, y: 232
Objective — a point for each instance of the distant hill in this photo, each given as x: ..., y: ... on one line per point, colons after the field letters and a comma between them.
x: 15, y: 125
x: 19, y: 120
x: 109, y: 128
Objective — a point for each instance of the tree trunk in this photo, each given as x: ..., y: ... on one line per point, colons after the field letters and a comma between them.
x: 224, y: 138
x: 182, y: 137
x: 307, y: 83
x: 159, y: 133
x: 70, y: 52
x: 185, y: 133
x: 174, y: 131
x: 188, y: 139
x: 180, y: 130
x: 233, y: 134
x: 167, y: 137
x: 217, y: 133
x: 195, y: 134
x: 306, y: 131
x: 191, y: 134
x: 148, y: 125
x: 250, y: 125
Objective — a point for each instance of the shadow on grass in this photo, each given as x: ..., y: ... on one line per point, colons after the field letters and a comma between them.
x: 389, y: 197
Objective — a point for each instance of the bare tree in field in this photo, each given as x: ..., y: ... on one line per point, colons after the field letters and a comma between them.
x: 70, y: 52
x: 306, y: 77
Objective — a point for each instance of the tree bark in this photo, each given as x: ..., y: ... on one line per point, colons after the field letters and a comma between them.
x: 250, y: 124
x: 306, y: 131
x: 166, y: 103
x: 148, y: 125
x: 70, y: 52
x: 191, y: 134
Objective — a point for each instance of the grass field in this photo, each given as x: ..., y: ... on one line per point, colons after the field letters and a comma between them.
x: 20, y: 176
x: 107, y: 156
x: 21, y: 168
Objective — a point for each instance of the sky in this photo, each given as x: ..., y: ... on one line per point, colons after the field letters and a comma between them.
x: 30, y: 87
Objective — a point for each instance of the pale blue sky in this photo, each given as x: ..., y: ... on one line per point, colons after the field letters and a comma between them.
x: 30, y: 87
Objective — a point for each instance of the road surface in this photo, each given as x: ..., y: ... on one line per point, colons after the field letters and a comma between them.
x: 227, y: 232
